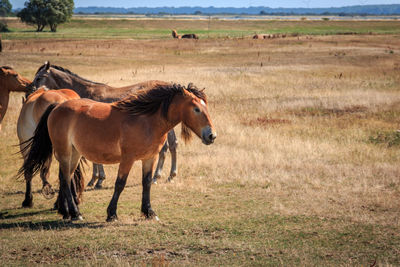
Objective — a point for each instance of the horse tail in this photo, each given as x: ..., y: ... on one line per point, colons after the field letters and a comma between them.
x: 79, y: 180
x: 39, y: 147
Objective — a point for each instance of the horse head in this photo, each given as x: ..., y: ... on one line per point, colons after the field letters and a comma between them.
x: 43, y: 77
x: 196, y: 116
x: 10, y: 80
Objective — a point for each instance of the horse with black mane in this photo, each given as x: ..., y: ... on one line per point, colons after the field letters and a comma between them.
x: 123, y: 132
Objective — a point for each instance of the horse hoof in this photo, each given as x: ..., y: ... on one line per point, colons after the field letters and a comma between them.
x: 171, y: 176
x: 112, y: 218
x: 99, y: 183
x: 78, y: 218
x: 156, y: 218
x: 91, y: 183
x: 48, y: 192
x: 27, y: 204
x: 155, y: 178
x: 150, y: 214
x: 98, y: 187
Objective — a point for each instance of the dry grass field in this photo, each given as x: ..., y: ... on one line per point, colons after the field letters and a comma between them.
x: 304, y: 171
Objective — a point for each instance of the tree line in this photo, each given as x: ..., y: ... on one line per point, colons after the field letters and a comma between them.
x: 252, y: 10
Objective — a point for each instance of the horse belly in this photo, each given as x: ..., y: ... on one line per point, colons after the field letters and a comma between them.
x: 97, y: 145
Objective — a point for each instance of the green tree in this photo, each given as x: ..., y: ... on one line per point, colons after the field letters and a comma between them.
x: 5, y: 8
x: 34, y: 13
x: 58, y: 12
x: 46, y: 12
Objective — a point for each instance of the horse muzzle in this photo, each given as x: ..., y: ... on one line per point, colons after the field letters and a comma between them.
x: 207, y: 135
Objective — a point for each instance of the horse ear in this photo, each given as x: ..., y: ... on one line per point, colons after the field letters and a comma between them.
x: 47, y: 65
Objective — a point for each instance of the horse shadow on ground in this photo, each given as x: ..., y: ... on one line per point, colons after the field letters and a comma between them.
x: 43, y: 225
x: 87, y: 189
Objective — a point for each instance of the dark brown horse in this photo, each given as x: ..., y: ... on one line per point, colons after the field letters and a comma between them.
x: 123, y: 132
x: 56, y: 77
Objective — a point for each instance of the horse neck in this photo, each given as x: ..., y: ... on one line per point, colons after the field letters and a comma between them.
x: 175, y: 112
x: 82, y: 87
x: 4, y: 96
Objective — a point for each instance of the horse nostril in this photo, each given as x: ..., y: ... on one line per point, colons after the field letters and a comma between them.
x: 212, y: 136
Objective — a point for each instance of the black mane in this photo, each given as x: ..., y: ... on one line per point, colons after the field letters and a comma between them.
x: 149, y: 101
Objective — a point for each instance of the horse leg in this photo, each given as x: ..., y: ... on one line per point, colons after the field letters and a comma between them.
x: 160, y: 164
x: 61, y: 204
x: 95, y: 174
x: 102, y: 176
x: 47, y: 190
x: 173, y: 145
x: 147, y: 171
x: 67, y: 170
x: 123, y: 172
x: 28, y: 201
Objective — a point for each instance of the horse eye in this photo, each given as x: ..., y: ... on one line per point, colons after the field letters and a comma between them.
x: 196, y: 110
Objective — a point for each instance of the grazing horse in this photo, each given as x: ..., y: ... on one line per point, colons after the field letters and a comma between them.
x: 56, y: 77
x: 123, y: 132
x: 28, y: 119
x: 185, y: 36
x: 10, y: 80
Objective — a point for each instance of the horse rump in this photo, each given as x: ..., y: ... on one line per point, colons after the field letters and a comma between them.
x: 39, y: 147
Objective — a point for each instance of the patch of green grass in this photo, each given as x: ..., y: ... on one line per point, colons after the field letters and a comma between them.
x: 388, y: 138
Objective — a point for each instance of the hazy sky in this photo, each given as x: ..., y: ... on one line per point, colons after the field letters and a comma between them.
x: 221, y: 3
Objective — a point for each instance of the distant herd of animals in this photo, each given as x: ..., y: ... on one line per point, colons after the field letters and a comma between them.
x: 78, y: 119
x: 268, y: 36
x: 195, y: 36
x: 256, y: 36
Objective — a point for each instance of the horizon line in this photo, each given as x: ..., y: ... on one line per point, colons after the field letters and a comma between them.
x: 240, y: 7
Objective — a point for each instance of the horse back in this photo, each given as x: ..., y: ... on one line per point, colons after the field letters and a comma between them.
x: 34, y: 107
x: 46, y: 98
x: 91, y: 128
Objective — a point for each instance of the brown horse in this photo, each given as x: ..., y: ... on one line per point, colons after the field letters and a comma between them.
x: 10, y: 80
x: 56, y: 77
x: 185, y: 36
x: 123, y: 132
x: 31, y: 112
